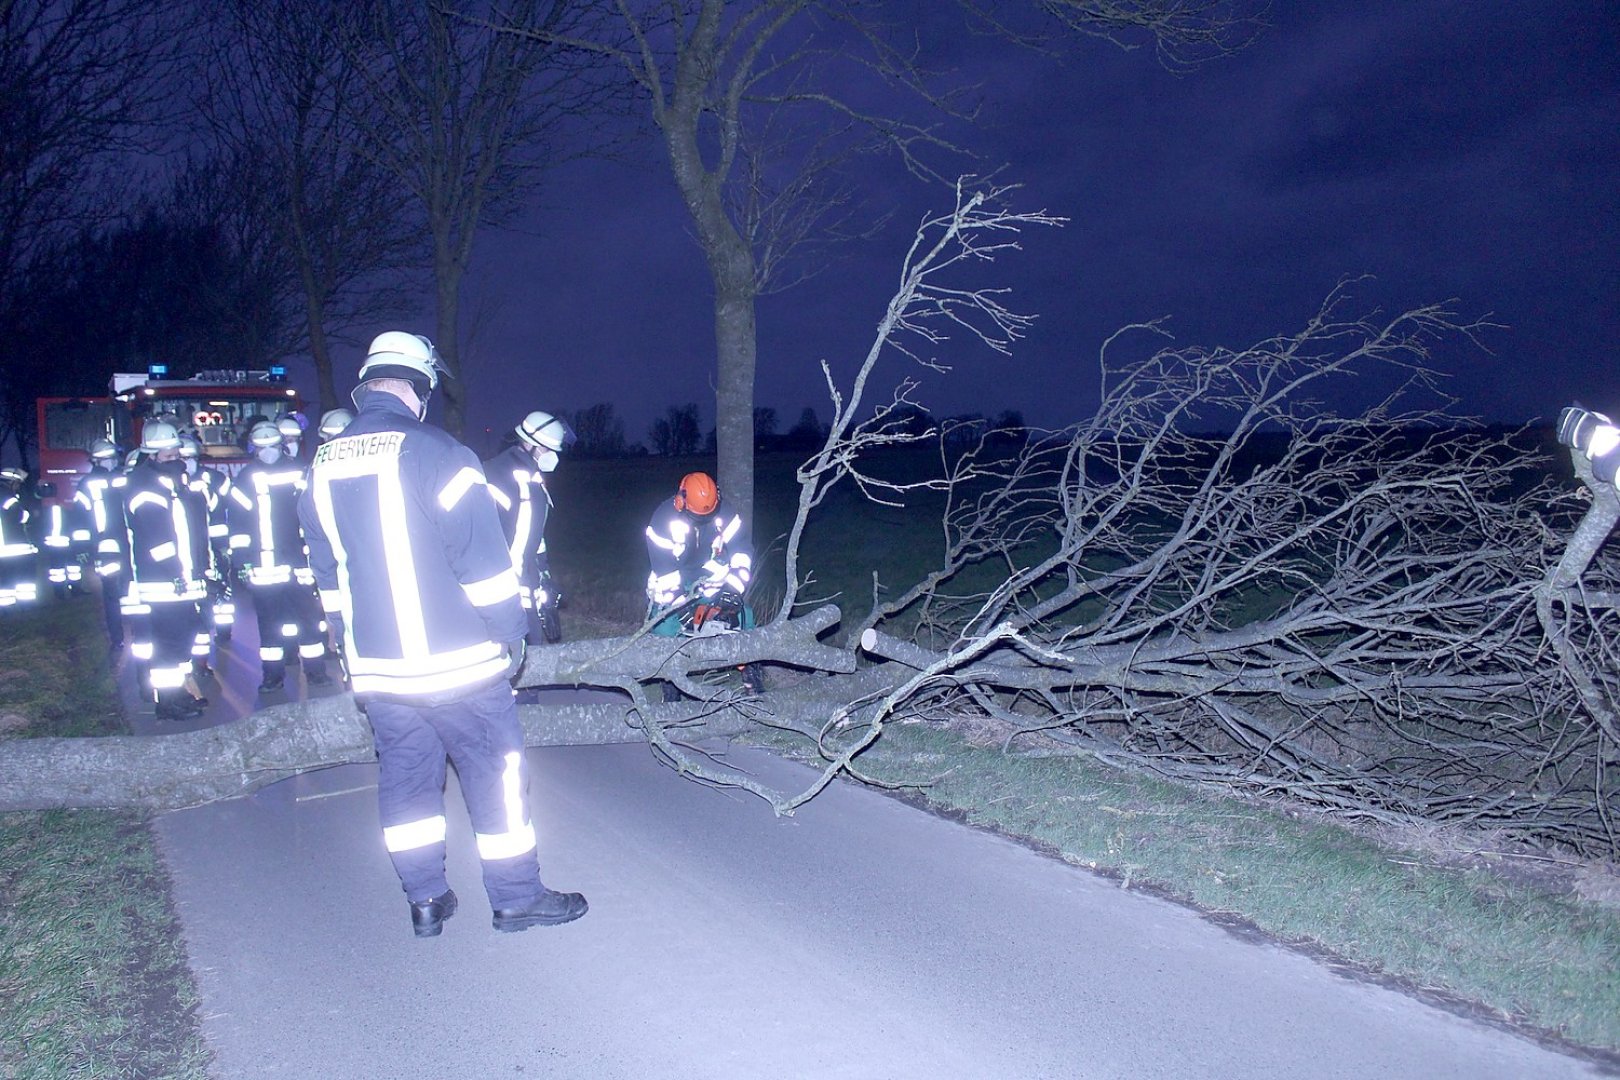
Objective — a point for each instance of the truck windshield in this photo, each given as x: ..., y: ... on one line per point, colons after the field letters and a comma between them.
x: 220, y: 421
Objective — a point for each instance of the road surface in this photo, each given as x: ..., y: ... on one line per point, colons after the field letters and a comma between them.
x: 860, y: 939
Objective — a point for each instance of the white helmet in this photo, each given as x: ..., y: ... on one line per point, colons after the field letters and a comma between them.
x: 13, y: 475
x: 101, y: 449
x: 290, y: 428
x: 189, y: 446
x: 159, y: 435
x: 398, y: 355
x: 333, y: 421
x: 264, y: 434
x: 542, y: 431
x: 132, y: 459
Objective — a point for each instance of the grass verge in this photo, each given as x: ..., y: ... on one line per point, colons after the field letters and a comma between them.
x: 1464, y: 935
x: 92, y: 972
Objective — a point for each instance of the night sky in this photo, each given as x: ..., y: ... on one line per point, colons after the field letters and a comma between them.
x: 1461, y: 150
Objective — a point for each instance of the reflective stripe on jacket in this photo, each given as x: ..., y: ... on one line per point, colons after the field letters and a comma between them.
x: 406, y: 545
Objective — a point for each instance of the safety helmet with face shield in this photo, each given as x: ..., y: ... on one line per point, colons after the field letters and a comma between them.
x: 396, y: 354
x: 545, y: 435
x: 159, y: 435
x: 333, y: 421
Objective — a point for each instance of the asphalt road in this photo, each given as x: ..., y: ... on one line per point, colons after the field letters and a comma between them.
x: 861, y: 939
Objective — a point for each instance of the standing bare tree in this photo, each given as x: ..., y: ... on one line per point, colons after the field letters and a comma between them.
x: 761, y: 104
x: 82, y: 83
x: 465, y: 119
x: 280, y: 99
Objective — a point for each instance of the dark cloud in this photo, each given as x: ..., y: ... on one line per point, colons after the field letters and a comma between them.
x: 1446, y: 149
x: 1434, y: 86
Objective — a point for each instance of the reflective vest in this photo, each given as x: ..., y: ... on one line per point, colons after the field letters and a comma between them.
x: 406, y: 546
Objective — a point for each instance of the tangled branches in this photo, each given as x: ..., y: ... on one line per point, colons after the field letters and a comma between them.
x: 1353, y: 608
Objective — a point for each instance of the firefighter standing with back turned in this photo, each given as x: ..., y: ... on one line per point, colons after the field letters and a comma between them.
x: 408, y: 554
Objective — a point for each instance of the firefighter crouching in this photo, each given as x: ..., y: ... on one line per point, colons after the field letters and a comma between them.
x: 408, y: 554
x: 700, y: 566
x: 19, y: 557
x: 517, y: 483
x: 267, y: 549
x: 166, y: 581
x: 100, y: 497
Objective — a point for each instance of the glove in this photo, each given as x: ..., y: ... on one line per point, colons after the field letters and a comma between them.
x: 515, y: 652
x: 1576, y: 426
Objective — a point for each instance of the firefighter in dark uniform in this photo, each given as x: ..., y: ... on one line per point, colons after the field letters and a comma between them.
x: 200, y: 487
x: 517, y: 483
x: 100, y: 496
x: 19, y: 556
x: 700, y: 564
x: 267, y: 549
x: 166, y: 581
x: 408, y: 554
x: 60, y: 520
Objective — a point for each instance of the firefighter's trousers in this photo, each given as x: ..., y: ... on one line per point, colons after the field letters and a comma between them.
x: 170, y: 629
x: 289, y: 627
x: 19, y: 578
x: 482, y: 737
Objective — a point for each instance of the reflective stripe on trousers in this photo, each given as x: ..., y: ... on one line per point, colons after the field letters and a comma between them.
x: 482, y: 736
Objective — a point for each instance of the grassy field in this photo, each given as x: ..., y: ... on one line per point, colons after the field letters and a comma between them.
x: 94, y: 983
x: 1522, y: 937
x: 92, y: 973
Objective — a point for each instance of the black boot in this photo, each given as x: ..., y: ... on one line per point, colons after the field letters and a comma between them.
x: 548, y: 909
x: 428, y: 916
x: 171, y: 705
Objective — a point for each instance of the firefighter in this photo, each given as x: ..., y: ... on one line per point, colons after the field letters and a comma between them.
x: 205, y: 488
x: 100, y: 496
x: 19, y: 557
x: 60, y: 521
x: 268, y: 552
x: 408, y: 554
x: 166, y: 581
x: 333, y: 421
x: 292, y: 436
x: 699, y: 566
x: 517, y: 483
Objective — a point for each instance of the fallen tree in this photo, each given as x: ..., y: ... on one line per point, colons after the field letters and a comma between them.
x: 164, y: 772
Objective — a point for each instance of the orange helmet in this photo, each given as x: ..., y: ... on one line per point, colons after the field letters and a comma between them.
x: 698, y: 494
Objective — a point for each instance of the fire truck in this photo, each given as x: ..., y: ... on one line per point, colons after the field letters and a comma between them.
x: 217, y: 407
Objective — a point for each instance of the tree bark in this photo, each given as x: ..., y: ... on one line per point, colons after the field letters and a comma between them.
x: 167, y: 772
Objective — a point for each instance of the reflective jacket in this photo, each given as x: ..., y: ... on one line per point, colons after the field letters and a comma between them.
x: 14, y: 517
x: 265, y: 535
x: 162, y: 553
x: 101, y: 495
x: 519, y: 489
x: 407, y: 548
x: 696, y: 554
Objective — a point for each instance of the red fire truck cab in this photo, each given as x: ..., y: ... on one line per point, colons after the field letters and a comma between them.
x: 217, y: 407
